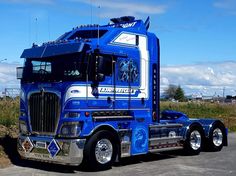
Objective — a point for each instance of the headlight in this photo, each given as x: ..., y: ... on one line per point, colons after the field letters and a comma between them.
x: 23, y: 127
x: 70, y: 129
x: 72, y: 115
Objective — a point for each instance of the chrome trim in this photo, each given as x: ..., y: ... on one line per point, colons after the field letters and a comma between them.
x: 166, y: 138
x: 160, y: 144
x: 125, y: 142
x: 125, y: 149
x: 124, y: 130
x: 103, y: 151
x: 59, y: 109
x: 157, y: 142
x: 38, y: 91
x: 165, y: 149
x: 45, y: 91
x: 217, y: 137
x: 101, y: 125
x: 166, y: 125
x: 112, y: 117
x: 91, y: 109
x: 74, y: 157
x: 195, y: 140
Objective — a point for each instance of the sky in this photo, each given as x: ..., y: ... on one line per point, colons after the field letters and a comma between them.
x: 198, y: 41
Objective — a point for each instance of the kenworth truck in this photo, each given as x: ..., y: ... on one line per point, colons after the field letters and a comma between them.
x: 92, y: 96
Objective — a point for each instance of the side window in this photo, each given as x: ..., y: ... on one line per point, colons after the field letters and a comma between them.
x: 128, y: 72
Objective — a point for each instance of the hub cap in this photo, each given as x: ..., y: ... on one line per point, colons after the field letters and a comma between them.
x: 217, y: 137
x: 103, y: 151
x: 195, y: 140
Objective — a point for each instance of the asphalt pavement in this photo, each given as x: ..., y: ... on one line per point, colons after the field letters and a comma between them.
x: 221, y: 163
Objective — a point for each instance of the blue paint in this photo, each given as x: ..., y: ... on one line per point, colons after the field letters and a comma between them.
x: 53, y: 148
x: 139, y: 140
x: 119, y: 91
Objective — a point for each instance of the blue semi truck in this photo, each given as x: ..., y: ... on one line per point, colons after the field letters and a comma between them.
x: 92, y: 97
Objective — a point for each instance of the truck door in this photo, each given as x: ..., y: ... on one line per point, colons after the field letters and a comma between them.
x: 133, y: 76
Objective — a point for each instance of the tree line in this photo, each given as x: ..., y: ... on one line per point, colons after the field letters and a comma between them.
x: 174, y: 92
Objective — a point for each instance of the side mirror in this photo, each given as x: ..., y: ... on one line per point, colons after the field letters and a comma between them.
x: 103, y: 67
x: 19, y: 72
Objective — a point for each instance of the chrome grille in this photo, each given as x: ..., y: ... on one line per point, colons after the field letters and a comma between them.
x: 44, y: 111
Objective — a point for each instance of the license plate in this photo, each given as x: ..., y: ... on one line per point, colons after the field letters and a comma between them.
x: 41, y: 145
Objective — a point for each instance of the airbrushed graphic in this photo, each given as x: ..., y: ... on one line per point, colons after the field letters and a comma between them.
x: 128, y: 71
x: 140, y: 140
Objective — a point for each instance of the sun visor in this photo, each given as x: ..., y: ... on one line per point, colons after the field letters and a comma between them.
x: 52, y: 50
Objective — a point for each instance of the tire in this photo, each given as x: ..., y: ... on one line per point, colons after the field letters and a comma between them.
x: 100, y: 151
x: 216, y: 138
x: 194, y: 139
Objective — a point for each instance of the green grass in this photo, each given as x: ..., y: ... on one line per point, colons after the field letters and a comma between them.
x: 9, y: 112
x: 224, y: 112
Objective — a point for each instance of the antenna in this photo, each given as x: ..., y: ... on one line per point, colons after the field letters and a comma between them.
x: 91, y: 16
x: 91, y: 11
x: 49, y: 32
x: 29, y: 29
x: 99, y: 7
x: 36, y: 30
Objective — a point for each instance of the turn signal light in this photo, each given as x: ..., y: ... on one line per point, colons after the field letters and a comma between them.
x: 154, y: 116
x: 87, y: 114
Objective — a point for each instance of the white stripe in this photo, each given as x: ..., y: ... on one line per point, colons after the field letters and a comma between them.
x: 79, y: 91
x: 144, y: 57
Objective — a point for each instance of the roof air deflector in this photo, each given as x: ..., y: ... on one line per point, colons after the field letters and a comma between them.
x: 123, y: 19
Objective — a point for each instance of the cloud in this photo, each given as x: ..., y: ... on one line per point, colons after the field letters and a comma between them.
x: 207, y: 78
x: 116, y: 8
x: 228, y: 5
x: 8, y: 76
x: 225, y: 4
x: 44, y: 2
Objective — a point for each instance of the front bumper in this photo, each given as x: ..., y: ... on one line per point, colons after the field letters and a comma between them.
x: 70, y: 151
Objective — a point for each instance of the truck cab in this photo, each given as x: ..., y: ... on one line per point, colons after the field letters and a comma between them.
x: 92, y: 96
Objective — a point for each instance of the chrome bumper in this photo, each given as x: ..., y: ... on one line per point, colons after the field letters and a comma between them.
x: 70, y: 150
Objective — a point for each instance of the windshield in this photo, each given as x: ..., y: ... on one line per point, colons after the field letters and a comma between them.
x: 63, y: 68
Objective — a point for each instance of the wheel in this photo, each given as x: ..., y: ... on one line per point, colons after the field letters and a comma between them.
x: 193, y: 142
x: 216, y: 138
x: 100, y: 151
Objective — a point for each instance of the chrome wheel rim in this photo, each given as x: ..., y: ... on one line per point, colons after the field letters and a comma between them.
x: 103, y: 151
x: 195, y: 140
x: 217, y: 137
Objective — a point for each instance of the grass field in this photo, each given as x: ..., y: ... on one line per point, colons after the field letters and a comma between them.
x: 9, y: 111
